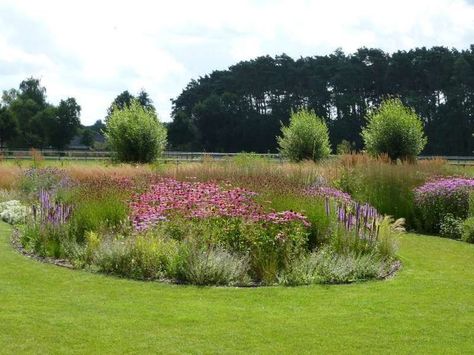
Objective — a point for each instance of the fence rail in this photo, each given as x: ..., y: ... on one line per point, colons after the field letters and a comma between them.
x: 174, y: 156
x: 106, y: 155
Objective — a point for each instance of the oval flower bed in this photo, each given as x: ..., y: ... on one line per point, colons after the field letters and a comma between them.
x: 208, y: 234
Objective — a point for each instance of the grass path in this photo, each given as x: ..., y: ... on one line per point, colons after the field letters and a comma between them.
x: 427, y: 308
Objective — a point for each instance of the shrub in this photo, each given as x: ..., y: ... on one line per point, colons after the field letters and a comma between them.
x: 135, y: 134
x: 212, y: 266
x: 451, y: 226
x: 144, y: 257
x: 437, y: 198
x: 337, y: 268
x: 394, y: 130
x: 468, y: 230
x: 306, y: 137
x: 14, y: 212
x: 327, y: 266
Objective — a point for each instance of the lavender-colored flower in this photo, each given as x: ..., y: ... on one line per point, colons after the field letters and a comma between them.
x: 49, y: 212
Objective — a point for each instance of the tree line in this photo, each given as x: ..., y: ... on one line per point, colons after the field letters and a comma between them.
x: 243, y: 108
x: 28, y: 120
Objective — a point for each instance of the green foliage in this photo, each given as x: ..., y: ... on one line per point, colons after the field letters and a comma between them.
x: 395, y: 130
x: 48, y: 241
x: 135, y: 134
x: 387, y: 187
x: 306, y: 138
x: 254, y: 96
x: 212, y: 266
x: 345, y: 242
x: 451, y: 226
x: 63, y: 127
x: 269, y: 248
x: 125, y: 99
x: 311, y: 207
x: 326, y: 266
x: 94, y: 213
x: 345, y: 147
x: 144, y: 257
x: 468, y: 230
x: 34, y: 180
x: 28, y: 120
x: 8, y: 126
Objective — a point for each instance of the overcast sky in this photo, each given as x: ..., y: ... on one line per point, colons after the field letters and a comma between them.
x: 93, y: 50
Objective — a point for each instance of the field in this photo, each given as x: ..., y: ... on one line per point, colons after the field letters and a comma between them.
x: 137, y: 285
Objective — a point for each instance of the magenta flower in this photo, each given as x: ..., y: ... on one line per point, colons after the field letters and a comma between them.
x: 201, y: 200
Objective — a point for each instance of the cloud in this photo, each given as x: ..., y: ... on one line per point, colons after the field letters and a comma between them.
x: 93, y: 50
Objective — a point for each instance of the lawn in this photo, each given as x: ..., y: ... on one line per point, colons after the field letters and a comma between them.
x: 427, y: 308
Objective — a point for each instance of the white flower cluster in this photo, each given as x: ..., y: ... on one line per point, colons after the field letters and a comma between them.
x: 13, y: 212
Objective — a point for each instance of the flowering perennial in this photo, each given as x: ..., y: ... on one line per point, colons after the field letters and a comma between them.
x: 356, y: 217
x: 439, y: 198
x: 201, y: 200
x: 328, y: 192
x: 443, y: 187
x: 50, y: 212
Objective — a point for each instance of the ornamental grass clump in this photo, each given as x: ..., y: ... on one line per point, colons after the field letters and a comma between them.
x: 442, y: 197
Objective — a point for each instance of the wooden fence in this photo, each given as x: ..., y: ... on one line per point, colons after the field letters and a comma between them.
x: 172, y: 156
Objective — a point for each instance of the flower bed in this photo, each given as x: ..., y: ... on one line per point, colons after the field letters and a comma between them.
x: 206, y: 233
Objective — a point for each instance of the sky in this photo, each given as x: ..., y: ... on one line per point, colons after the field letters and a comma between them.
x: 94, y: 50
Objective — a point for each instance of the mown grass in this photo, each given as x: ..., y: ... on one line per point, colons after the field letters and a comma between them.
x: 427, y: 308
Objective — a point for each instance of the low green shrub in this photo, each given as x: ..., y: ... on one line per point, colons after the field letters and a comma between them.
x: 327, y: 266
x: 14, y: 212
x: 451, y: 226
x: 144, y: 257
x: 211, y: 266
x: 468, y: 230
x: 335, y: 268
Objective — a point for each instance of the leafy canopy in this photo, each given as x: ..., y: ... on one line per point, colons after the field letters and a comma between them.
x: 395, y: 130
x: 135, y: 134
x: 306, y: 137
